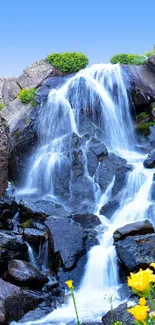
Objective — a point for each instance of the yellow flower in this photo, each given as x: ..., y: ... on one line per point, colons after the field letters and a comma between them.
x: 139, y: 312
x: 140, y: 281
x: 153, y: 265
x: 142, y: 301
x: 70, y: 284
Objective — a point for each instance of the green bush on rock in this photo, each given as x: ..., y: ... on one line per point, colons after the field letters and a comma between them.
x: 68, y: 62
x: 2, y: 105
x: 27, y: 96
x: 149, y: 53
x: 128, y: 59
x: 144, y: 128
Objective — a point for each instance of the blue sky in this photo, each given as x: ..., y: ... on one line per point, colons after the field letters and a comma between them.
x: 31, y: 29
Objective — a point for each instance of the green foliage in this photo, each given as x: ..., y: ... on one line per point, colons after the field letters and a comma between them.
x: 27, y: 96
x: 149, y: 53
x: 128, y: 59
x: 2, y: 105
x: 142, y: 115
x: 26, y: 224
x: 118, y: 323
x: 68, y: 62
x: 144, y: 128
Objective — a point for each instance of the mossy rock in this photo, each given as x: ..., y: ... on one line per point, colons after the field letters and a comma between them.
x: 144, y: 128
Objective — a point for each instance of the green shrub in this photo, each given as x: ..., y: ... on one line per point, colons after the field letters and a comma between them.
x: 2, y: 105
x: 128, y: 59
x: 144, y: 128
x: 68, y: 62
x: 142, y: 115
x: 27, y: 96
x: 149, y: 53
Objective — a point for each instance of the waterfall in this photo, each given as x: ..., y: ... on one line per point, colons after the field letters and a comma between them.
x: 32, y: 257
x: 101, y: 93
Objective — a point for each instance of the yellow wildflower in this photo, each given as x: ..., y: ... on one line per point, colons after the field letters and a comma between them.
x: 139, y: 312
x: 142, y: 301
x: 70, y: 284
x: 153, y: 265
x: 140, y: 281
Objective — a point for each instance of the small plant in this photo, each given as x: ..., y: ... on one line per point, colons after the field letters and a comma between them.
x: 27, y: 96
x: 144, y: 128
x: 142, y: 115
x: 149, y: 53
x: 71, y: 287
x: 143, y: 285
x: 68, y: 62
x: 128, y: 59
x: 2, y: 105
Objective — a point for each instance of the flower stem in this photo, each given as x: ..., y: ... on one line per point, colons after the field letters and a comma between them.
x: 151, y: 302
x: 75, y: 307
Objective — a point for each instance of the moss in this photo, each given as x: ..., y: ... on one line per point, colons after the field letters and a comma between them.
x: 68, y: 62
x: 2, y: 105
x: 144, y: 128
x: 142, y: 115
x: 17, y: 134
x: 27, y: 96
x: 26, y: 224
x: 27, y: 120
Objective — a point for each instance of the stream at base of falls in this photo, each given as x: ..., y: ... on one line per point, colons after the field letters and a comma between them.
x: 101, y: 277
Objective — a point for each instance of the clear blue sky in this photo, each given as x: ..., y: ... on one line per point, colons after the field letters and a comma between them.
x: 31, y: 29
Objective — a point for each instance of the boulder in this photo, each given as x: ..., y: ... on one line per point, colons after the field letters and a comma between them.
x: 149, y: 162
x: 41, y: 311
x: 4, y: 155
x: 121, y: 175
x: 10, y: 90
x: 111, y: 206
x: 14, y: 302
x: 33, y: 236
x: 87, y: 221
x: 22, y: 273
x: 151, y: 63
x: 107, y: 170
x: 34, y: 74
x: 11, y: 247
x: 136, y: 251
x: 14, y: 111
x: 2, y: 80
x: 137, y: 228
x: 119, y: 314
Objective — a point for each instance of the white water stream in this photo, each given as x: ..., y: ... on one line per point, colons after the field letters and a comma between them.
x: 101, y: 274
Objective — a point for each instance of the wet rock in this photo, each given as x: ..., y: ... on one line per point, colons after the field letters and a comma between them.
x: 34, y: 74
x: 24, y: 274
x: 136, y: 251
x: 10, y: 90
x: 151, y: 136
x: 92, y: 162
x: 4, y: 155
x: 41, y: 311
x: 149, y: 162
x: 120, y: 178
x: 33, y: 236
x: 110, y: 207
x: 137, y: 228
x: 16, y: 302
x: 98, y: 148
x: 69, y: 239
x: 41, y: 94
x: 119, y: 314
x: 87, y: 221
x: 151, y: 63
x: 11, y: 247
x: 56, y: 82
x: 107, y: 169
x: 39, y: 209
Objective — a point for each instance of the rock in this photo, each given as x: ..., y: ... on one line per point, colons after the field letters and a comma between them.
x: 34, y: 74
x: 4, y: 155
x: 92, y: 162
x: 107, y: 169
x: 11, y: 247
x: 120, y: 314
x: 137, y: 228
x: 56, y: 82
x: 41, y: 94
x: 2, y: 80
x: 151, y: 136
x: 33, y: 236
x: 136, y: 251
x: 14, y: 302
x: 110, y: 207
x: 22, y: 273
x: 151, y: 63
x: 149, y: 162
x: 14, y: 111
x: 98, y: 148
x: 121, y: 175
x: 87, y: 221
x: 41, y: 311
x: 10, y: 90
x: 69, y: 239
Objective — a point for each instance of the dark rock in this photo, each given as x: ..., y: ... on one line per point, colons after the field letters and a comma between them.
x: 33, y: 236
x: 39, y: 209
x: 107, y: 169
x: 137, y: 228
x: 41, y: 311
x: 4, y: 155
x: 92, y: 162
x: 87, y: 221
x: 69, y: 239
x: 56, y: 82
x: 136, y: 251
x: 41, y: 94
x: 11, y: 247
x: 119, y: 314
x: 98, y: 148
x: 110, y: 207
x: 149, y: 162
x: 151, y: 136
x: 16, y: 302
x: 151, y: 63
x: 24, y: 274
x: 120, y: 178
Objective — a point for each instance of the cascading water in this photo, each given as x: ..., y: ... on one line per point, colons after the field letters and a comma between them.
x: 100, y: 92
